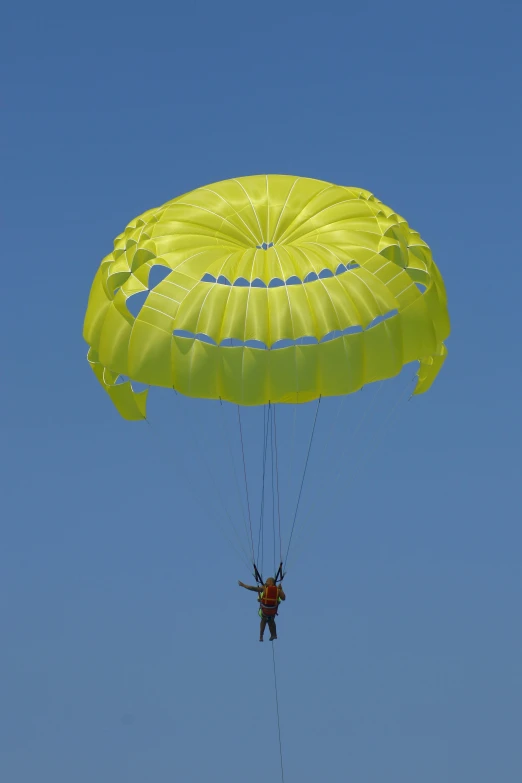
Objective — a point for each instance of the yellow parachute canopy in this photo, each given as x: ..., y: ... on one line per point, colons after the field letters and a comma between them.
x: 276, y: 289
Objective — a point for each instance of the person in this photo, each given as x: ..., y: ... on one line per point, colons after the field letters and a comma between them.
x: 270, y: 595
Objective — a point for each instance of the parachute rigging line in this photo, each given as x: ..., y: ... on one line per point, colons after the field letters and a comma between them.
x: 198, y: 440
x: 374, y: 443
x: 272, y: 465
x: 261, y: 537
x: 277, y: 489
x: 303, y: 479
x: 246, y: 484
x: 360, y: 421
x: 278, y: 718
x: 237, y: 546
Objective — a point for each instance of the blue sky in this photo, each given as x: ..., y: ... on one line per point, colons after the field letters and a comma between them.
x: 128, y: 652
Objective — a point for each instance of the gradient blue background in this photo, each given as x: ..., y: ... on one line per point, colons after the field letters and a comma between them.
x: 127, y: 651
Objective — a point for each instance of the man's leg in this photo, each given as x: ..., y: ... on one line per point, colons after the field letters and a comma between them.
x: 272, y: 628
x: 262, y: 628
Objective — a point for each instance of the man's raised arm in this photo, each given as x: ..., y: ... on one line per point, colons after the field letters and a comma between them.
x: 256, y: 589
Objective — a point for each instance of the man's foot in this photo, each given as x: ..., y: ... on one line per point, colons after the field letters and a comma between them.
x: 272, y: 638
x: 261, y: 639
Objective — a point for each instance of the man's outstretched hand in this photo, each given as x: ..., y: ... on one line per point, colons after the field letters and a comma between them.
x: 249, y: 587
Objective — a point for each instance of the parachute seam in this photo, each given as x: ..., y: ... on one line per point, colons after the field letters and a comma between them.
x: 312, y: 313
x: 252, y: 205
x: 305, y: 205
x: 208, y: 294
x: 186, y: 260
x: 345, y: 348
x: 291, y: 321
x: 211, y: 212
x: 406, y: 289
x: 333, y: 223
x: 163, y: 296
x: 289, y: 250
x: 207, y: 230
x: 363, y: 281
x: 386, y: 262
x: 209, y: 190
x: 329, y: 250
x: 346, y: 293
x: 329, y: 297
x: 199, y: 235
x: 296, y: 180
x: 267, y: 210
x: 155, y: 309
x: 197, y: 323
x: 245, y: 326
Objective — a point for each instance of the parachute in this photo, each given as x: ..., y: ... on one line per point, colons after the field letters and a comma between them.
x: 272, y: 289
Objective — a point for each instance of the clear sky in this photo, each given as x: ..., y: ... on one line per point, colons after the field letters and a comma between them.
x: 128, y: 653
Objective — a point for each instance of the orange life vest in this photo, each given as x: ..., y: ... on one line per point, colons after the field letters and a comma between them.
x: 269, y: 600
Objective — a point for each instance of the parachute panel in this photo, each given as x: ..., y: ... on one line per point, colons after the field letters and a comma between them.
x: 281, y: 289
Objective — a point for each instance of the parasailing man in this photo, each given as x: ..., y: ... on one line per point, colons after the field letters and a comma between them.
x: 270, y: 595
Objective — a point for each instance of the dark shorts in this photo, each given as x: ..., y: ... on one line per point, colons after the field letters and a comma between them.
x: 266, y: 616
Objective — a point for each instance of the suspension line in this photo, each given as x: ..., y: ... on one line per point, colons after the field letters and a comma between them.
x: 277, y: 489
x: 303, y: 478
x: 278, y: 717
